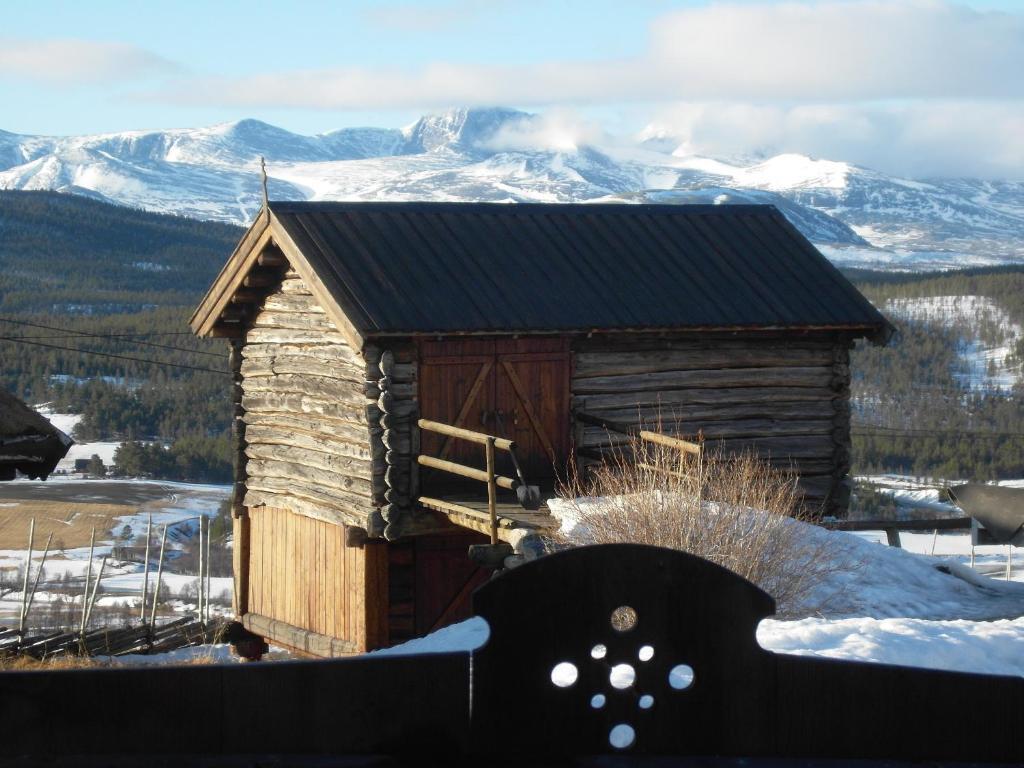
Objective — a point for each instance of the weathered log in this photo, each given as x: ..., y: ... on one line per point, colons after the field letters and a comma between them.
x: 728, y: 377
x: 352, y: 431
x: 263, y: 438
x: 711, y: 396
x: 652, y: 417
x: 316, y: 510
x: 282, y: 365
x: 355, y: 504
x: 330, y: 461
x: 597, y: 364
x: 311, y: 477
x: 732, y: 429
x: 303, y: 640
x: 313, y: 386
x: 293, y: 321
x: 293, y: 336
x: 292, y: 302
x: 272, y: 257
x: 703, y: 340
x: 297, y: 403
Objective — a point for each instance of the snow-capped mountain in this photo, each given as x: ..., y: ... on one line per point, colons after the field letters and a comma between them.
x: 856, y: 215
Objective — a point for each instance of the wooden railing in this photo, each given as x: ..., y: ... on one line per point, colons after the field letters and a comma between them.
x: 644, y: 434
x: 489, y: 476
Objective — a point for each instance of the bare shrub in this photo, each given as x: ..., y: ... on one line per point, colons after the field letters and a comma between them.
x: 734, y: 510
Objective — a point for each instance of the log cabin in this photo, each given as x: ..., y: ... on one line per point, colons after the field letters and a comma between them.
x: 410, y: 379
x: 29, y: 443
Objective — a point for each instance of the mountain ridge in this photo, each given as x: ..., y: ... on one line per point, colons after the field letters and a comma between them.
x: 857, y: 216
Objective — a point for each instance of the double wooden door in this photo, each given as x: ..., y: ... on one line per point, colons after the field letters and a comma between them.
x: 517, y: 389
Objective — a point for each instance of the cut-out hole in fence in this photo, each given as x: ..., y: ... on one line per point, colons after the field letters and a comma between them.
x: 564, y: 674
x: 646, y: 653
x: 622, y: 676
x: 598, y: 652
x: 622, y: 736
x: 646, y: 701
x: 680, y: 676
x: 597, y: 700
x: 624, y: 618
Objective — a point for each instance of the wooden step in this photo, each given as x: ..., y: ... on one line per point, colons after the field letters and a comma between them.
x: 471, y: 512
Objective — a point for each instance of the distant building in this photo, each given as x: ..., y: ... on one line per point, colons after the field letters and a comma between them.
x: 357, y: 328
x: 28, y: 442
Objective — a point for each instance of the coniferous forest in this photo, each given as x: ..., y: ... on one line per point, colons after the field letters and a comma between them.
x: 95, y: 299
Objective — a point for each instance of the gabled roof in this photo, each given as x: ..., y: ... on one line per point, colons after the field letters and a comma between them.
x: 450, y: 268
x: 28, y: 442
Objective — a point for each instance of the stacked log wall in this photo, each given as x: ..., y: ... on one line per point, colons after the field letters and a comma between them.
x: 785, y: 398
x: 308, y: 421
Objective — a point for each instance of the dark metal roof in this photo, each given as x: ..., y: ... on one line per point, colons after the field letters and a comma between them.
x: 478, y: 267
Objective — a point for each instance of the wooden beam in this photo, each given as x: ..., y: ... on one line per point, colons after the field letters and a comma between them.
x: 272, y: 257
x: 303, y: 640
x: 463, y: 471
x: 466, y: 434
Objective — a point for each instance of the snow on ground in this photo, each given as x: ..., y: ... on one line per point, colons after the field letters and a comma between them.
x: 991, y: 647
x: 66, y: 422
x: 986, y: 356
x: 177, y: 505
x: 889, y: 605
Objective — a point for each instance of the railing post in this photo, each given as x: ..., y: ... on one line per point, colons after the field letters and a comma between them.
x: 492, y: 491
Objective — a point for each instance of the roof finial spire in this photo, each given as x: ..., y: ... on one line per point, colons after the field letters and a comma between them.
x: 263, y: 171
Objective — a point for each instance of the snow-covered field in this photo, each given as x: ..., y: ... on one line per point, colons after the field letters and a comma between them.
x: 176, y: 505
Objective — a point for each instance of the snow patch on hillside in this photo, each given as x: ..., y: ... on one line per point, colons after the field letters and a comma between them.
x: 988, y: 356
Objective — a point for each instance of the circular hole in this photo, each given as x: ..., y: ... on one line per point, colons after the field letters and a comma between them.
x: 622, y: 676
x: 680, y: 676
x: 597, y: 700
x: 646, y: 653
x: 598, y: 652
x: 623, y: 618
x: 646, y: 701
x: 622, y: 736
x: 564, y: 674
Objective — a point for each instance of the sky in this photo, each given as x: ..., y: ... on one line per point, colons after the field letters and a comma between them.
x: 915, y: 87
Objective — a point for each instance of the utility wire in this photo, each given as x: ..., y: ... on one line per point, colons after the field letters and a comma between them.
x: 113, y: 356
x: 76, y: 334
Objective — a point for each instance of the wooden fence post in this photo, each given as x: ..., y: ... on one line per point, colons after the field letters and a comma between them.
x: 88, y: 578
x: 24, y: 585
x: 159, y: 575
x: 145, y: 569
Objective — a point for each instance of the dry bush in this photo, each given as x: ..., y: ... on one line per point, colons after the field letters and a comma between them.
x: 734, y: 510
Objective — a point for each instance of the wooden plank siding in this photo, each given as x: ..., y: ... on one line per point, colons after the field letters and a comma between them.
x: 303, y: 574
x: 307, y: 412
x: 785, y: 398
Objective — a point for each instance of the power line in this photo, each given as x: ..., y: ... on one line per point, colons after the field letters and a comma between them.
x: 113, y: 356
x: 76, y: 334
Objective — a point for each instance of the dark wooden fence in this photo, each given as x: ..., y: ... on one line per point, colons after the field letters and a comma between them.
x: 698, y: 685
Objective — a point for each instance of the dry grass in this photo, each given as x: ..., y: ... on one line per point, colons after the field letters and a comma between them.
x: 70, y: 522
x: 733, y: 510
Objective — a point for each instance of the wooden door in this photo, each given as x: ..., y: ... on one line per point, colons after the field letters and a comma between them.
x: 456, y: 382
x: 532, y: 399
x: 517, y: 389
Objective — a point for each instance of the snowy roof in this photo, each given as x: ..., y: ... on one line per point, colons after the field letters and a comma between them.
x: 28, y: 442
x: 449, y: 268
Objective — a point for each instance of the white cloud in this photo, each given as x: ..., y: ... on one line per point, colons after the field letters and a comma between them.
x: 833, y: 50
x: 557, y: 130
x: 919, y: 139
x: 78, y: 62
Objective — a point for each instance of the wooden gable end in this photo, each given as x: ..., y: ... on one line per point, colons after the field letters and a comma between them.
x: 256, y: 268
